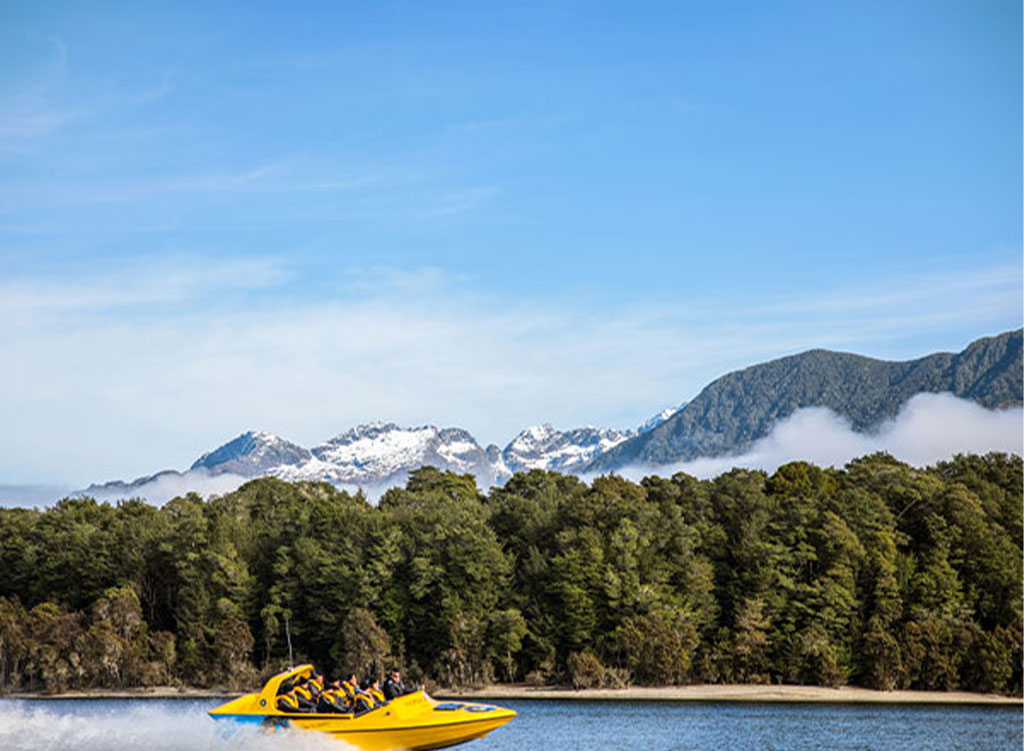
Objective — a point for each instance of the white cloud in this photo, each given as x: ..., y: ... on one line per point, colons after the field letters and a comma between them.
x: 929, y: 428
x: 930, y: 289
x: 121, y: 372
x: 168, y: 485
x: 143, y: 282
x: 163, y: 487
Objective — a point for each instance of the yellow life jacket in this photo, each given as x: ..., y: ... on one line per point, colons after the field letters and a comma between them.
x: 349, y: 689
x: 316, y: 685
x: 288, y: 702
x: 333, y: 696
x: 377, y: 695
x: 364, y: 701
x: 304, y: 692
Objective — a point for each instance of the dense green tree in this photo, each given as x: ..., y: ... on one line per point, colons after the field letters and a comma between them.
x: 879, y: 574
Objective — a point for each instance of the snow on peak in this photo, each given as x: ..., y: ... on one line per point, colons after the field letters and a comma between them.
x: 251, y: 454
x: 653, y: 422
x: 533, y: 438
x: 381, y: 451
x: 543, y: 447
x: 380, y: 455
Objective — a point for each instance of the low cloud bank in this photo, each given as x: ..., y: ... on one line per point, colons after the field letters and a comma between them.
x: 168, y: 485
x: 929, y: 428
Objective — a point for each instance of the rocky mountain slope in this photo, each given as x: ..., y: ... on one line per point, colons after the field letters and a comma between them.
x: 741, y: 407
x: 252, y: 454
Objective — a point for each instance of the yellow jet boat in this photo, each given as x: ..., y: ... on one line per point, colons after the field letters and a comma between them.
x: 414, y: 721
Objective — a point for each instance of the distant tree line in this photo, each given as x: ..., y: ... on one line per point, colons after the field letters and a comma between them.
x: 878, y: 575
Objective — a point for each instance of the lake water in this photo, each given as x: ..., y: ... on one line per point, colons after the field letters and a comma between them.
x: 166, y: 724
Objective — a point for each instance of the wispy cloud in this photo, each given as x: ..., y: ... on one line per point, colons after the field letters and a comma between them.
x: 30, y: 115
x: 158, y: 92
x: 460, y: 202
x: 868, y: 317
x: 141, y: 282
x: 157, y: 383
x: 257, y: 178
x: 925, y: 287
x: 368, y: 190
x: 168, y: 485
x: 32, y: 111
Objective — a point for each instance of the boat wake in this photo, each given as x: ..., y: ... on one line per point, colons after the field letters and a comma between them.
x: 88, y: 725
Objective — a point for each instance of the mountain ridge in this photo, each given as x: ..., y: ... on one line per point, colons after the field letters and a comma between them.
x: 729, y: 415
x: 740, y: 407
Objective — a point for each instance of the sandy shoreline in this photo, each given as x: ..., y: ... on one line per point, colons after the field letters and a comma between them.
x: 713, y: 693
x: 738, y: 693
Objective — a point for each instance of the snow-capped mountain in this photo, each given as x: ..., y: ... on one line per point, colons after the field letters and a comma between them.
x: 252, y: 454
x: 385, y: 454
x: 375, y: 457
x: 543, y: 447
x: 726, y: 417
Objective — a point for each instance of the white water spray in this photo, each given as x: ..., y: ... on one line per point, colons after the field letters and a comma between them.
x: 149, y: 725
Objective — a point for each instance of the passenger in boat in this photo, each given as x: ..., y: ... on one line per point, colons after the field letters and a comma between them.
x: 289, y: 702
x: 369, y: 696
x: 393, y: 686
x: 351, y: 687
x: 363, y: 702
x: 373, y: 689
x: 304, y: 694
x: 332, y: 700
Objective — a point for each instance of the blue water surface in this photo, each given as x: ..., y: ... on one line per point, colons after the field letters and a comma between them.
x: 165, y: 724
x: 568, y: 725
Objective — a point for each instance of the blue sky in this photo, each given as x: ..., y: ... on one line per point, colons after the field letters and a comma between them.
x: 301, y: 216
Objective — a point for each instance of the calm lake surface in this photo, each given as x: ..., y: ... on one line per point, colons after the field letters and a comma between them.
x: 158, y: 724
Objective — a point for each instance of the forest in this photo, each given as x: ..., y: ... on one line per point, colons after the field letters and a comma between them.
x: 878, y: 574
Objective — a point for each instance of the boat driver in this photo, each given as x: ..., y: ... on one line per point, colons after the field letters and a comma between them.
x: 393, y: 686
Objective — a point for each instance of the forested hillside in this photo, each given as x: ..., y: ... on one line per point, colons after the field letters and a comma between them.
x: 878, y: 575
x: 740, y: 407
